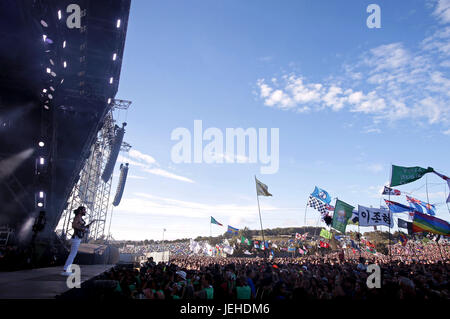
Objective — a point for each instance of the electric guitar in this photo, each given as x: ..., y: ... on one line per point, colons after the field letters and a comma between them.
x: 81, y: 233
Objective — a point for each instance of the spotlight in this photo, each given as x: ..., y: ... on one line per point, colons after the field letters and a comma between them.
x: 41, y: 160
x: 44, y: 90
x: 53, y: 74
x: 109, y: 101
x: 50, y: 96
x: 52, y: 88
x: 41, y: 144
x: 48, y: 70
x: 59, y: 15
x: 114, y: 56
x: 46, y: 107
x: 65, y: 64
x: 118, y: 24
x: 51, y: 62
x: 41, y: 194
x: 44, y: 37
x: 64, y: 44
x: 44, y: 24
x: 40, y: 204
x: 110, y: 80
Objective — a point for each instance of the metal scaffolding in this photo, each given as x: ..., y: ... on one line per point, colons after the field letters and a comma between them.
x: 90, y: 190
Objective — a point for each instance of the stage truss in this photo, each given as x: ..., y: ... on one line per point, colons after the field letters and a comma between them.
x: 90, y: 190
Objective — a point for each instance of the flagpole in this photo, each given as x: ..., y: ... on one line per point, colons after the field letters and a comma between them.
x: 260, y: 220
x: 306, y: 208
x: 390, y: 214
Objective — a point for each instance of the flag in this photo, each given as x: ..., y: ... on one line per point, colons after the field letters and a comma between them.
x: 371, y: 250
x: 261, y: 189
x: 232, y: 230
x: 418, y: 205
x: 256, y: 245
x: 321, y: 194
x: 445, y: 178
x: 245, y: 241
x: 403, y: 239
x: 304, y: 236
x: 324, y: 245
x: 404, y: 175
x: 374, y: 217
x: 298, y: 236
x: 342, y: 213
x: 404, y: 224
x: 353, y: 244
x: 427, y: 223
x: 214, y: 221
x: 291, y: 249
x: 325, y: 233
x: 301, y: 251
x: 395, y: 207
x: 390, y: 191
x: 317, y: 205
x: 247, y: 252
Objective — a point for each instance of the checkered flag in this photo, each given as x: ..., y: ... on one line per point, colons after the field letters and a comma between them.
x: 318, y: 205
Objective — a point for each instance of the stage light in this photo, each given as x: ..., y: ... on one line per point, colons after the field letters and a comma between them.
x: 48, y: 70
x: 62, y: 81
x: 59, y: 15
x: 44, y: 37
x: 41, y: 144
x: 51, y: 62
x: 65, y: 64
x: 110, y: 80
x: 40, y: 204
x: 41, y: 194
x: 114, y: 56
x: 64, y: 44
x: 52, y: 88
x: 48, y: 40
x: 118, y: 23
x: 44, y: 24
x: 44, y: 90
x: 50, y: 96
x: 53, y: 74
x: 46, y: 107
x: 109, y: 101
x: 41, y: 160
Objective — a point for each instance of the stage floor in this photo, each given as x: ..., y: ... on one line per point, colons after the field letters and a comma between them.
x: 42, y: 283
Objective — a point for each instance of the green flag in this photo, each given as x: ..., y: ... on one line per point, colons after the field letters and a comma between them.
x: 214, y: 221
x: 404, y: 175
x: 325, y: 233
x: 245, y: 241
x: 342, y: 212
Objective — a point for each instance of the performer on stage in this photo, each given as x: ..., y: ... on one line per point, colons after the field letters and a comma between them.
x: 79, y: 227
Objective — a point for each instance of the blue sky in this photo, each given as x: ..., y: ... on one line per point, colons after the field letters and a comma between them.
x: 348, y: 101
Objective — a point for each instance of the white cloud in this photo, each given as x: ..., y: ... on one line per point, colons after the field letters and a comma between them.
x: 442, y: 11
x: 389, y: 82
x: 164, y: 173
x: 149, y: 165
x: 142, y: 157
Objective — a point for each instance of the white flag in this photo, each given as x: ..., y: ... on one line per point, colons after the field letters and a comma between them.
x: 261, y: 189
x: 374, y: 217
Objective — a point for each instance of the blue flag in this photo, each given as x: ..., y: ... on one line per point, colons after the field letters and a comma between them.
x: 395, y: 207
x: 232, y: 230
x: 321, y: 194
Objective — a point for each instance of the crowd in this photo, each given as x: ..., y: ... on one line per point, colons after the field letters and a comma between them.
x: 181, y: 248
x: 338, y: 275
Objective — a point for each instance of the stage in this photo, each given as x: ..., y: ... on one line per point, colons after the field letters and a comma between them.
x: 42, y: 283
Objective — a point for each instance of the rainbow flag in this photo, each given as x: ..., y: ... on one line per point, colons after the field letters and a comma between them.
x: 427, y: 223
x: 232, y: 230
